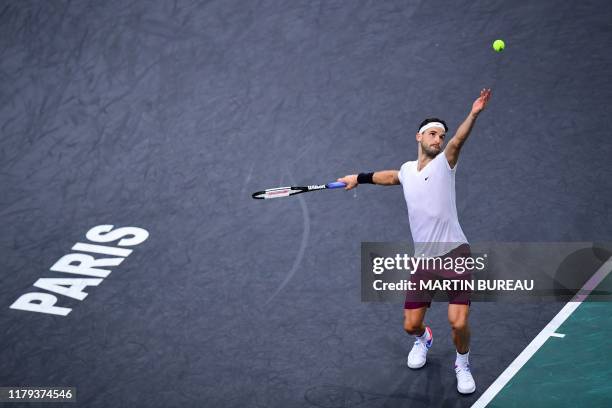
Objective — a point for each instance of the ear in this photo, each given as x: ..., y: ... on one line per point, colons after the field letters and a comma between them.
x: 419, y: 137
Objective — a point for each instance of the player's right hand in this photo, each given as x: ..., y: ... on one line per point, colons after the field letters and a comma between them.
x: 350, y: 181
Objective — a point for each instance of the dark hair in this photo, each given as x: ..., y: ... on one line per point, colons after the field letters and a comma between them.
x: 429, y: 120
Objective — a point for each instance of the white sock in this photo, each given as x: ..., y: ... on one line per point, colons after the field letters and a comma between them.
x: 462, y: 360
x: 423, y: 338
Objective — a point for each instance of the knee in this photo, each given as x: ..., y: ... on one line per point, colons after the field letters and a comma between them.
x: 459, y: 325
x: 413, y: 327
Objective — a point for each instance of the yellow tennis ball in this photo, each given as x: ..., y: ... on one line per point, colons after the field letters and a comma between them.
x: 499, y: 45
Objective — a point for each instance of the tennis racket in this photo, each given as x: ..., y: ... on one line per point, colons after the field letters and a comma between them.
x: 279, y: 192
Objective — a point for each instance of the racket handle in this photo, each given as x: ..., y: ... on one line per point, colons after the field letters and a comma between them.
x: 336, y: 184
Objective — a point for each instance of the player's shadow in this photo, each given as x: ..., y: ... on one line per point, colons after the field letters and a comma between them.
x: 577, y: 268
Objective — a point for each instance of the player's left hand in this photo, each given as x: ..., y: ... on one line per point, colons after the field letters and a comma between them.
x: 481, y: 103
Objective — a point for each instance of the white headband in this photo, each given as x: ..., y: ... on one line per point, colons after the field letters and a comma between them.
x: 430, y: 125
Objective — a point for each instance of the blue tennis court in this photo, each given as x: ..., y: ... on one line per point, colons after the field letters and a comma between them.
x: 137, y: 268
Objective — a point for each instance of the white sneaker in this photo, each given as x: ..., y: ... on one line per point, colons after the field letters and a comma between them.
x: 418, y: 355
x: 465, y: 381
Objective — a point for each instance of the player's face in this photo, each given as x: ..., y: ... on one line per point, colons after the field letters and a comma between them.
x: 431, y: 141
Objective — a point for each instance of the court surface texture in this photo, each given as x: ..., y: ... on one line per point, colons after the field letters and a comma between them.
x: 167, y: 115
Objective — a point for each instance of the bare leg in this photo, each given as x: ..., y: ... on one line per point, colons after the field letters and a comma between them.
x: 458, y: 319
x: 413, y: 321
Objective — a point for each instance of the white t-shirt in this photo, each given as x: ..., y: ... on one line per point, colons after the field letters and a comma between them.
x: 432, y: 211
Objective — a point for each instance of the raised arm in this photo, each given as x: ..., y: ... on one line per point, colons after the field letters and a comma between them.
x: 383, y: 178
x: 453, y: 148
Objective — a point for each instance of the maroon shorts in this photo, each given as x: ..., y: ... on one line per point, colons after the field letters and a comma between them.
x: 418, y: 298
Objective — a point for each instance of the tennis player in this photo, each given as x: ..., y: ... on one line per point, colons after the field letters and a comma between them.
x: 429, y: 190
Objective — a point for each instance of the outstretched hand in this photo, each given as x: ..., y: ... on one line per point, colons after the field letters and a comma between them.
x: 481, y: 103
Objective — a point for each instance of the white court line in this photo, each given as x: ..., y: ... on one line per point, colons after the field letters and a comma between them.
x: 541, y: 338
x: 557, y: 335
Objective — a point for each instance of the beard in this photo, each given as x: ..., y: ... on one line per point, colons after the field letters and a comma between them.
x: 430, y: 151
